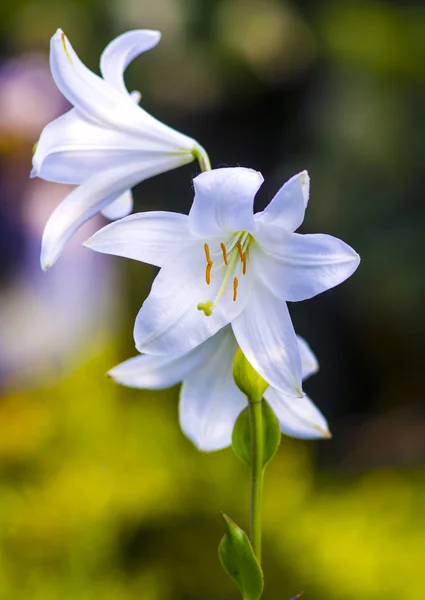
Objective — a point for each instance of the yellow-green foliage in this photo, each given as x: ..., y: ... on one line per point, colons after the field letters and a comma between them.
x: 101, y: 496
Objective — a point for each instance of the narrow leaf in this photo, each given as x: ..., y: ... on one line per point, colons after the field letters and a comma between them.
x: 241, y: 436
x: 238, y: 560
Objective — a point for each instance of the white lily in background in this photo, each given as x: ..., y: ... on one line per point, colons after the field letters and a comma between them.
x: 223, y: 264
x: 210, y: 400
x: 106, y: 143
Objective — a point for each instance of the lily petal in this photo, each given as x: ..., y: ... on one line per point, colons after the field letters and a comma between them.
x: 122, y: 51
x: 85, y: 90
x: 298, y: 418
x: 169, y: 321
x: 104, y: 105
x: 72, y: 148
x: 224, y: 200
x: 302, y: 266
x: 266, y: 336
x: 90, y: 198
x: 151, y: 237
x: 121, y: 207
x: 309, y: 362
x: 158, y: 372
x: 210, y: 401
x: 287, y: 208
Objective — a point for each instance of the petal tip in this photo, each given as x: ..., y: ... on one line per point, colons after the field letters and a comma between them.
x: 47, y: 259
x: 156, y: 34
x: 110, y: 374
x: 304, y: 177
x: 324, y: 432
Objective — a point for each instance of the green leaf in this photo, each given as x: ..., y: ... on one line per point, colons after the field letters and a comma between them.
x: 247, y: 379
x: 238, y: 560
x: 241, y: 436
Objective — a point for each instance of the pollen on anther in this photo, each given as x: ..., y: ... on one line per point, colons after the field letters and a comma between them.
x: 243, y: 259
x: 207, y: 253
x: 239, y: 247
x: 209, y: 264
x: 235, y: 288
x: 224, y: 251
x: 208, y: 273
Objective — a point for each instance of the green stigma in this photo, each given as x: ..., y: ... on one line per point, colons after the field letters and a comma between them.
x: 206, y: 307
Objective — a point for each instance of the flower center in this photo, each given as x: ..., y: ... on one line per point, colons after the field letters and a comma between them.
x: 233, y: 255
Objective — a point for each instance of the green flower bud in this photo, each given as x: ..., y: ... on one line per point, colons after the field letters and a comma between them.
x: 247, y: 379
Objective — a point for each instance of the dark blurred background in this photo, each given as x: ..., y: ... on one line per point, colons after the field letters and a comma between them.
x: 101, y: 495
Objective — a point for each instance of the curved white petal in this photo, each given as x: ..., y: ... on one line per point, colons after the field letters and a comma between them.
x: 224, y: 200
x: 72, y: 148
x: 85, y: 90
x: 309, y: 362
x: 169, y: 320
x: 287, y: 208
x: 266, y: 336
x: 151, y: 237
x: 302, y: 266
x: 89, y: 199
x: 121, y: 51
x: 210, y: 401
x: 102, y: 104
x: 297, y: 417
x: 158, y: 372
x: 121, y: 207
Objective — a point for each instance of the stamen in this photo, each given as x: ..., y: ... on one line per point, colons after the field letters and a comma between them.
x: 209, y: 264
x: 244, y: 263
x: 223, y: 249
x: 235, y: 288
x: 239, y: 247
x: 242, y: 255
x: 236, y: 250
x: 207, y: 253
x: 208, y: 274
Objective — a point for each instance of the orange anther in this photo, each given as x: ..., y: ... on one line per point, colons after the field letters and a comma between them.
x: 244, y: 263
x: 235, y: 288
x: 207, y: 254
x: 223, y: 249
x: 239, y: 247
x: 208, y: 273
x: 209, y: 264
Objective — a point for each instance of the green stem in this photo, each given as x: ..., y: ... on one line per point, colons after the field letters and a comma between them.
x: 202, y: 157
x: 256, y: 422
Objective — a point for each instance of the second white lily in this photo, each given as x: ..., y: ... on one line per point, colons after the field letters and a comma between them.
x: 222, y: 264
x: 210, y: 401
x: 106, y: 143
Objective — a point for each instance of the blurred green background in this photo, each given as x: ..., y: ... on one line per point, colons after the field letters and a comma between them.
x: 101, y: 495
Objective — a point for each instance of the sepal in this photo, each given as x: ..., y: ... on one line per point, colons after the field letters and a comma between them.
x: 238, y: 560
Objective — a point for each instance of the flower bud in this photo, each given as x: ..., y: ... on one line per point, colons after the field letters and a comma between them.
x: 247, y: 379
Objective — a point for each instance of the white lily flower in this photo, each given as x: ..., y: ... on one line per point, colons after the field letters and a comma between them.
x: 107, y: 143
x: 210, y: 400
x: 223, y: 264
